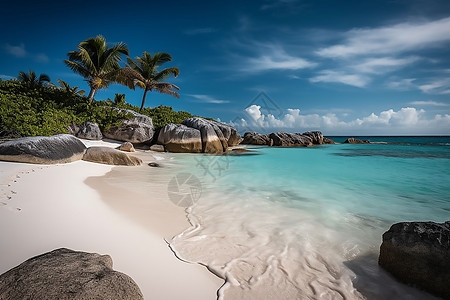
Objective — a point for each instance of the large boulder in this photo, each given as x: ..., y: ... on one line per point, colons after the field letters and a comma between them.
x: 180, y: 138
x: 285, y: 139
x: 230, y: 133
x: 127, y: 146
x: 110, y: 156
x: 316, y: 137
x: 65, y: 274
x: 418, y: 253
x: 356, y: 141
x: 254, y: 138
x: 213, y: 140
x: 62, y: 148
x: 89, y: 131
x: 138, y: 129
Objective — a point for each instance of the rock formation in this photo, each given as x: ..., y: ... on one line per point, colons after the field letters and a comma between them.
x: 62, y: 148
x: 89, y: 131
x: 356, y: 141
x: 110, y: 156
x: 418, y: 253
x: 198, y: 135
x: 64, y: 274
x: 138, y: 129
x: 284, y: 139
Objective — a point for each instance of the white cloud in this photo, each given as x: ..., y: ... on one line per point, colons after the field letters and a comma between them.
x: 402, y: 84
x: 17, y: 51
x: 357, y: 80
x: 440, y: 86
x: 429, y: 103
x: 6, y: 77
x: 407, y: 120
x: 391, y: 39
x: 381, y: 65
x: 207, y: 99
x: 275, y: 58
x: 41, y: 57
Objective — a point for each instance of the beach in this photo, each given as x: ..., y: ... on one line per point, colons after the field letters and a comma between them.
x: 75, y: 206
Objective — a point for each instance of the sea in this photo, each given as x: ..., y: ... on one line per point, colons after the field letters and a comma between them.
x: 307, y: 223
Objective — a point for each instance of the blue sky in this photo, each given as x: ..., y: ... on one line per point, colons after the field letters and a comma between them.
x: 342, y: 67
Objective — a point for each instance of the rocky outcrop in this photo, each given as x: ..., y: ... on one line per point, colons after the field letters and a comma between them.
x: 356, y: 141
x: 110, y: 156
x: 127, y: 146
x: 89, y: 131
x: 198, y: 135
x: 62, y: 148
x: 180, y: 138
x: 285, y: 139
x: 138, y: 129
x: 254, y: 138
x: 418, y: 253
x: 65, y: 274
x: 213, y: 140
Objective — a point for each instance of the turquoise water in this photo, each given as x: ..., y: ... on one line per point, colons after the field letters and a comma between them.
x: 312, y: 213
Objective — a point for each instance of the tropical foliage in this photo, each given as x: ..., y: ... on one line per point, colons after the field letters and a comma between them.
x: 31, y: 111
x: 31, y: 79
x: 64, y: 86
x: 96, y: 62
x: 144, y: 73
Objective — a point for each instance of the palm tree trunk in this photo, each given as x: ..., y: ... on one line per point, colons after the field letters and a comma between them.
x: 91, y: 94
x: 143, y: 100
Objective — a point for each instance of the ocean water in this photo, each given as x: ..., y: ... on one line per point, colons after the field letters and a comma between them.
x: 306, y: 223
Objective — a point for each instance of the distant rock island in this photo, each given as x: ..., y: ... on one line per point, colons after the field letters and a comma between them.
x: 284, y: 139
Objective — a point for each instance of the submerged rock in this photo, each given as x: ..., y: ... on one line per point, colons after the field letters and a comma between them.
x: 138, y: 129
x: 89, y: 131
x: 356, y: 141
x: 180, y: 138
x: 110, y: 156
x: 418, y: 253
x: 127, y: 146
x: 62, y: 148
x: 65, y: 274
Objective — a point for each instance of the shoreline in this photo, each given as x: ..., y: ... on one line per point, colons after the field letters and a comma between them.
x: 75, y: 206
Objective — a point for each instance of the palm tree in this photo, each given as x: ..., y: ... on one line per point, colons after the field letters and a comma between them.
x: 64, y: 86
x: 144, y: 73
x: 31, y: 78
x: 96, y: 62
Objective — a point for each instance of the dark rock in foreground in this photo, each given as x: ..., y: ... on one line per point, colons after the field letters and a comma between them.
x: 356, y: 141
x: 89, y: 131
x: 284, y: 139
x: 110, y: 156
x: 197, y: 135
x: 138, y: 129
x: 62, y: 148
x: 418, y: 253
x: 65, y: 274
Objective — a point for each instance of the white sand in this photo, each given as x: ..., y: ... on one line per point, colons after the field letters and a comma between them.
x: 47, y: 207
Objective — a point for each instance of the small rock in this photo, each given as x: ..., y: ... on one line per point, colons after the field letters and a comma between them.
x: 254, y: 138
x: 154, y: 164
x: 127, y: 146
x: 110, y: 156
x: 89, y: 131
x: 157, y: 148
x: 65, y: 274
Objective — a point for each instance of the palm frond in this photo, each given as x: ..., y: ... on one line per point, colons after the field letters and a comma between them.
x: 78, y: 68
x: 166, y: 88
x: 166, y: 73
x: 43, y: 78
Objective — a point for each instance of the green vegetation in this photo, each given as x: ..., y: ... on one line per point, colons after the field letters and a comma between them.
x: 32, y: 80
x: 33, y: 110
x: 144, y: 73
x: 96, y: 62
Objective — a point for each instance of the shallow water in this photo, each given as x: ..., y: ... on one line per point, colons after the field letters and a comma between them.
x: 306, y: 223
